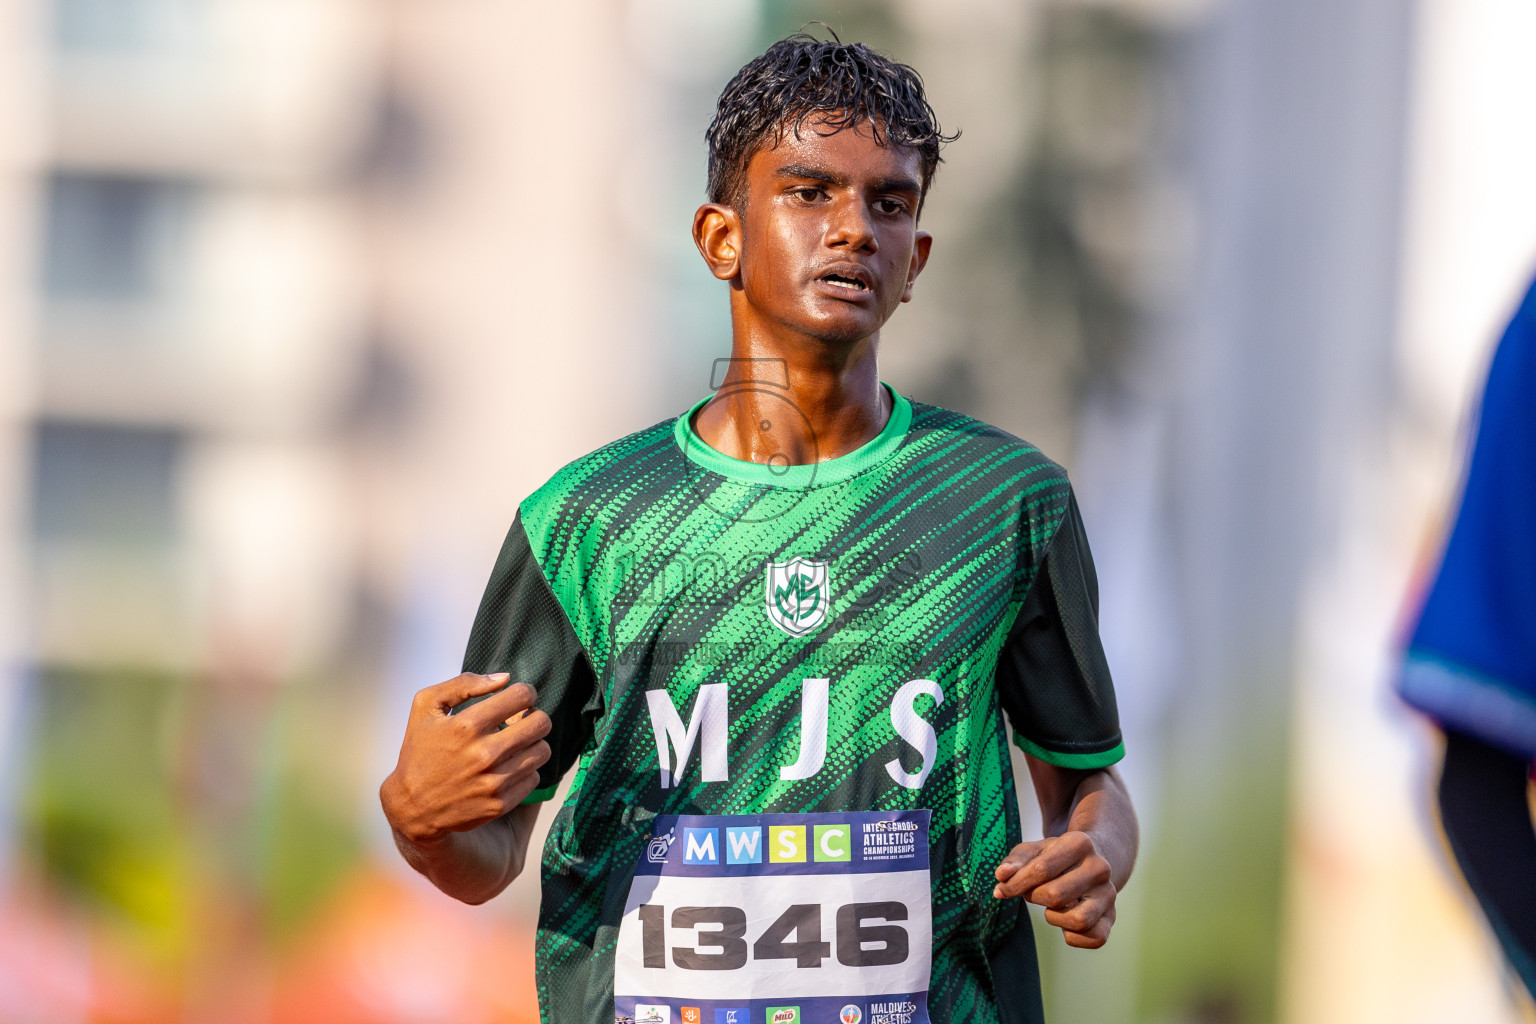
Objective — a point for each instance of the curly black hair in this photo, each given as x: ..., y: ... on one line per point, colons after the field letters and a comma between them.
x: 844, y: 84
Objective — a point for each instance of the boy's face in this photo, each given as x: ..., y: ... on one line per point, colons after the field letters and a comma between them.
x: 826, y: 243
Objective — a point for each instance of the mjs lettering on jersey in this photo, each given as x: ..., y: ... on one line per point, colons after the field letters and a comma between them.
x: 708, y: 729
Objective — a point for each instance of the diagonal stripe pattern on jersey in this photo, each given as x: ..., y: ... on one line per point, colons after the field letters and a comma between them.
x: 634, y: 591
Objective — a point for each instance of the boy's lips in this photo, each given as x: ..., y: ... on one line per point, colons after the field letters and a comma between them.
x: 846, y: 280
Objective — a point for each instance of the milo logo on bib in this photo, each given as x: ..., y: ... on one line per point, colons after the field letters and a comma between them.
x: 793, y: 918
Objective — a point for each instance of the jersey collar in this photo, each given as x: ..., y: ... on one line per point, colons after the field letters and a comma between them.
x: 873, y: 452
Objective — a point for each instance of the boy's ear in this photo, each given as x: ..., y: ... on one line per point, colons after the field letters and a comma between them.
x: 717, y: 233
x: 922, y: 244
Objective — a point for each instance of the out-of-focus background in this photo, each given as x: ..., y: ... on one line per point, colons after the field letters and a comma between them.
x: 298, y: 298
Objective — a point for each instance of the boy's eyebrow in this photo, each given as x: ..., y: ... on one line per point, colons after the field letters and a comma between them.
x: 813, y: 173
x: 896, y: 185
x: 841, y: 181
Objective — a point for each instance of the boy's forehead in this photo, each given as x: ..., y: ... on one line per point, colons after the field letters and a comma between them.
x: 853, y: 150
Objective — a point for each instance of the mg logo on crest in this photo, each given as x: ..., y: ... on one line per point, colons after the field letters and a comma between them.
x: 799, y: 592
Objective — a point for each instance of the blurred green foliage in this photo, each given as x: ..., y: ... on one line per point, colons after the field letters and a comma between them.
x: 161, y: 804
x: 101, y: 807
x: 1211, y: 930
x: 310, y: 835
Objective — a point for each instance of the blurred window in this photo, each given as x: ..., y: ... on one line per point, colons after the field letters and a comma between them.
x: 114, y: 238
x: 110, y: 484
x: 126, y: 24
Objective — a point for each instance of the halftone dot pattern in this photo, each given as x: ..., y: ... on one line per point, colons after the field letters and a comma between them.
x: 955, y: 554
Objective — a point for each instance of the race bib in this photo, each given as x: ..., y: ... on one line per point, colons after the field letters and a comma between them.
x: 778, y: 919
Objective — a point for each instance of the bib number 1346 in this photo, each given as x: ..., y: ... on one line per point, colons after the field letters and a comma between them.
x: 864, y: 935
x: 822, y: 911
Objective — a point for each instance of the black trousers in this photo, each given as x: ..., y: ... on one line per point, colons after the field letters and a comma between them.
x: 1488, y: 821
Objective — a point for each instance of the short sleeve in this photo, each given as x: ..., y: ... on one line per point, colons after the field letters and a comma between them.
x: 1472, y: 659
x: 1052, y: 678
x: 522, y: 630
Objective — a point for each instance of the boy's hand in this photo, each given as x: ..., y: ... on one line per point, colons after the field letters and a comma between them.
x: 457, y: 772
x: 1067, y: 876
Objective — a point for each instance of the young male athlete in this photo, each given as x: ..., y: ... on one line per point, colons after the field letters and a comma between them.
x: 778, y: 637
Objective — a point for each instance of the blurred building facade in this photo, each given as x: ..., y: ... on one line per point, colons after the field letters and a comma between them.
x: 195, y: 306
x: 185, y: 312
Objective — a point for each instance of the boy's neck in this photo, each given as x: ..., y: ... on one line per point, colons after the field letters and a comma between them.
x: 796, y: 404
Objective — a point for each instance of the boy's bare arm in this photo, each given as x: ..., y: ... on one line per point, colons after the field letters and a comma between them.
x: 454, y: 800
x: 1086, y: 857
x: 473, y: 866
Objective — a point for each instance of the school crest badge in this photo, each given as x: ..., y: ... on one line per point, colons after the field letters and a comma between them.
x: 799, y: 593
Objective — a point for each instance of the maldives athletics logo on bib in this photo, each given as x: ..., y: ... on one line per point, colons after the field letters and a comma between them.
x: 799, y: 592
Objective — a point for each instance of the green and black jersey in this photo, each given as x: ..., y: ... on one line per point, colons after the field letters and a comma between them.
x: 717, y: 637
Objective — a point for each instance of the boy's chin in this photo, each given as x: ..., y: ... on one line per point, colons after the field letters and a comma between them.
x: 842, y: 332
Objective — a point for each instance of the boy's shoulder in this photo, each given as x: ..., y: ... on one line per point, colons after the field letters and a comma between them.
x: 614, y: 469
x: 936, y: 427
x: 976, y: 465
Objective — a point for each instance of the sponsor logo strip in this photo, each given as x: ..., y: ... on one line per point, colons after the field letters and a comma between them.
x: 740, y: 846
x: 895, y: 1008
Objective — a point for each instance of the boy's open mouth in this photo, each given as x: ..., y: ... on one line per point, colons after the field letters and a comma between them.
x: 849, y: 276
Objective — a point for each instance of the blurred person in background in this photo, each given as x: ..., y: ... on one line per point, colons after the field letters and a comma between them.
x: 806, y: 543
x: 1471, y: 661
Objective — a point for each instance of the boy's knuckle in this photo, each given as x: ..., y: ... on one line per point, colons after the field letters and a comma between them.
x: 486, y: 756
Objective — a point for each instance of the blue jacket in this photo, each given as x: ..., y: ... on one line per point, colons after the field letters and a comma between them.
x: 1471, y: 662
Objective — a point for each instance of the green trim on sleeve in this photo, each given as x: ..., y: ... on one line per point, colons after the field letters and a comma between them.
x: 1101, y: 759
x: 538, y: 796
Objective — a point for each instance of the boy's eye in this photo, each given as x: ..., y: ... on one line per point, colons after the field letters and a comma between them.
x: 809, y: 195
x: 891, y: 206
